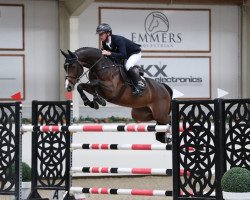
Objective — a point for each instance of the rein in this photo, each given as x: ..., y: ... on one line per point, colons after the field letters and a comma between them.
x: 83, y: 74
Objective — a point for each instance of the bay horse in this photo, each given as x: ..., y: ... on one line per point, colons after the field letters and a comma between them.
x: 107, y: 81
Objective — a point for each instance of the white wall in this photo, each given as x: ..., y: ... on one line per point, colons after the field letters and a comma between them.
x: 41, y: 49
x: 225, y: 41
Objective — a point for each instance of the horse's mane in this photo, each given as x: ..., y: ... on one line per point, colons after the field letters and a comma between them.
x: 86, y: 48
x: 94, y: 51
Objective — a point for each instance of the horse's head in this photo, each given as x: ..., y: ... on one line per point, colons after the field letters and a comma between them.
x: 73, y: 68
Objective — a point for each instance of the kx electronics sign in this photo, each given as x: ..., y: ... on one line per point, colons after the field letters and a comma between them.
x: 189, y: 75
x: 162, y: 30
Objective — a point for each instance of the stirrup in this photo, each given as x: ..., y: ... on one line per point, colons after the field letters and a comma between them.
x: 141, y: 85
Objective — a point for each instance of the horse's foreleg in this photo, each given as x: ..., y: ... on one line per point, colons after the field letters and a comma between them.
x: 99, y: 99
x: 86, y: 101
x: 95, y: 84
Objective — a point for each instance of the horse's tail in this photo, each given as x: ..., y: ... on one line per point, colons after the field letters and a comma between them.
x: 170, y: 91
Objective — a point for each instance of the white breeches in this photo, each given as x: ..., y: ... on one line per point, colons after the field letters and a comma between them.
x: 133, y: 60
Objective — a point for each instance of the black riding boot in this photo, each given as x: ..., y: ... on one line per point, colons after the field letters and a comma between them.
x: 139, y: 85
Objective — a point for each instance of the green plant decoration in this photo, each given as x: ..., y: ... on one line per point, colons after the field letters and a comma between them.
x: 237, y: 179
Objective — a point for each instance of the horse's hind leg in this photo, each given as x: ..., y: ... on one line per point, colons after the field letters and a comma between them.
x: 143, y: 114
x: 163, y: 137
x: 161, y: 115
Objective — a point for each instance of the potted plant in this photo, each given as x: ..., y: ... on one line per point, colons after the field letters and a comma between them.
x: 26, y: 180
x: 235, y: 184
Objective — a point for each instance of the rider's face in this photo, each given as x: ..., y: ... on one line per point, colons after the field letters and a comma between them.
x: 104, y: 37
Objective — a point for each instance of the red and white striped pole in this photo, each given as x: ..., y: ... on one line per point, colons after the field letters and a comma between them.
x: 121, y: 146
x: 99, y: 128
x: 120, y: 170
x: 111, y: 191
x: 147, y: 147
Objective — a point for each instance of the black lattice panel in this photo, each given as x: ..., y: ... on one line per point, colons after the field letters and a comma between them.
x: 237, y: 133
x: 197, y: 150
x: 9, y: 148
x: 52, y: 147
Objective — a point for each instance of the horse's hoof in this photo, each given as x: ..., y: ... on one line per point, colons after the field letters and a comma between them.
x: 161, y: 137
x: 100, y: 100
x: 95, y: 105
x: 86, y: 103
x: 168, y: 140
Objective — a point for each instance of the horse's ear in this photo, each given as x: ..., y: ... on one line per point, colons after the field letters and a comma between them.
x: 64, y: 54
x: 72, y: 55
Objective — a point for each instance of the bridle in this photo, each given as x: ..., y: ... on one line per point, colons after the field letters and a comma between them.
x: 72, y: 60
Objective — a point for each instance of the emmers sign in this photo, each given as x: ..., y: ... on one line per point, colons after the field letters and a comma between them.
x: 162, y: 30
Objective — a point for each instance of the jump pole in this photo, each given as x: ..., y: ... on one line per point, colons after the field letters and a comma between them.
x: 117, y: 170
x: 111, y: 191
x: 99, y: 128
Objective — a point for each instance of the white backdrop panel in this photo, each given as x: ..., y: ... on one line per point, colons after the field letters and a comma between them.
x: 189, y: 75
x: 11, y: 26
x: 11, y: 75
x: 162, y: 29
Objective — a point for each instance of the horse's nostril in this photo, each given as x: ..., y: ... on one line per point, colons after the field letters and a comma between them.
x: 69, y: 88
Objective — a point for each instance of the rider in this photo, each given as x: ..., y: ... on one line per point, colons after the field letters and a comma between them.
x: 119, y: 47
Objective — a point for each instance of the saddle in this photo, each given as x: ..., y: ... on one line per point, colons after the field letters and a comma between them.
x: 125, y: 75
x: 121, y: 63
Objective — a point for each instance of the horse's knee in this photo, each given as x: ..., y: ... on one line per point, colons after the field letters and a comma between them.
x: 94, y: 83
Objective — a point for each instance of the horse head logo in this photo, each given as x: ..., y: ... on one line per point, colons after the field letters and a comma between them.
x: 156, y: 22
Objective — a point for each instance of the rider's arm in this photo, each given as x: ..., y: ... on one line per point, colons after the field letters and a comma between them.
x: 104, y: 46
x: 122, y: 54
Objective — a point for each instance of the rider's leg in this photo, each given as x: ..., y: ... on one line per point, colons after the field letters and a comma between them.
x: 139, y: 85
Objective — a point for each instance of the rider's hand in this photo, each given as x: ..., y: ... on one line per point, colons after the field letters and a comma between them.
x: 106, y: 53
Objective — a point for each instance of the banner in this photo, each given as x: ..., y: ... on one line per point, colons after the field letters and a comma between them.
x: 161, y: 30
x: 189, y: 75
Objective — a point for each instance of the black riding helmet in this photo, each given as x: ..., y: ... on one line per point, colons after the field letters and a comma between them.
x: 103, y: 28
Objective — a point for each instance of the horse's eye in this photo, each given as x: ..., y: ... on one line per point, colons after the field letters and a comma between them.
x: 66, y: 65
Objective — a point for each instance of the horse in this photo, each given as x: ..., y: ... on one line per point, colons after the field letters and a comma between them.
x: 107, y: 81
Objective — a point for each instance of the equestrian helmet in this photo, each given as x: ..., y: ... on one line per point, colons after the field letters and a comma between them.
x: 103, y: 28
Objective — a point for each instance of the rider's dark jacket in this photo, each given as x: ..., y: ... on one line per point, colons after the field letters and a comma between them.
x: 121, y: 47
